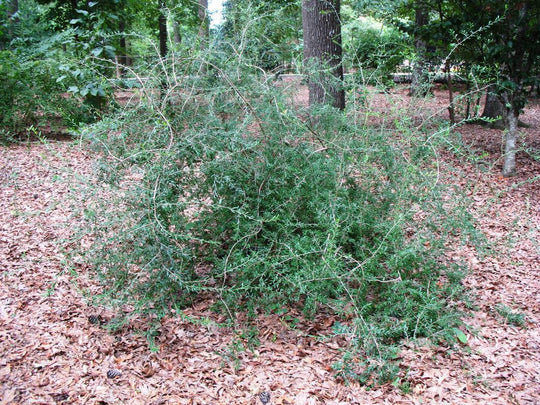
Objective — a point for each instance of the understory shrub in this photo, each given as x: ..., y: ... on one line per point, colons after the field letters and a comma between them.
x: 34, y: 97
x: 51, y: 78
x: 375, y: 47
x: 221, y: 184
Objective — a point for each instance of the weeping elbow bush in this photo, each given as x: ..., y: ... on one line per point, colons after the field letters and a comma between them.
x: 226, y: 189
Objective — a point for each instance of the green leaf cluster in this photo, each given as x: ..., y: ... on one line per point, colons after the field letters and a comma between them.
x: 371, y: 44
x: 33, y: 97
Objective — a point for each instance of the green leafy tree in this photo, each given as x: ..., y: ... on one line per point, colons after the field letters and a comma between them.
x: 411, y: 17
x: 36, y: 73
x: 510, y: 54
x: 503, y: 40
x: 13, y: 18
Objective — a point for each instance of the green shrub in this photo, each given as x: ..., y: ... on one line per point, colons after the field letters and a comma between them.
x: 224, y: 189
x: 33, y: 97
x: 46, y: 84
x: 373, y: 46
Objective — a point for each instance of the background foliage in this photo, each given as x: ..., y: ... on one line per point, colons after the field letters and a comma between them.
x: 269, y: 33
x: 48, y: 82
x: 371, y: 44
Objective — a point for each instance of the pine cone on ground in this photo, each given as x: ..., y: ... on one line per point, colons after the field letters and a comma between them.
x: 264, y: 397
x: 112, y: 373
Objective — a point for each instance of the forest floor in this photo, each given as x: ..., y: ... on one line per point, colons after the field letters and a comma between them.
x: 55, y: 347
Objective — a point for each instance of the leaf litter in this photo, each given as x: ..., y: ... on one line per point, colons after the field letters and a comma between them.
x: 56, y: 349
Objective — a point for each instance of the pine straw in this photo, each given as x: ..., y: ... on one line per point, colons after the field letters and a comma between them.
x: 54, y: 351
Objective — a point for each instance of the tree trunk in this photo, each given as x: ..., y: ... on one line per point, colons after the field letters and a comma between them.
x: 13, y: 18
x: 468, y: 106
x: 494, y: 109
x: 420, y: 85
x: 177, y: 36
x: 204, y: 25
x: 122, y: 49
x: 162, y: 22
x: 509, y: 167
x: 323, y: 52
x: 520, y: 63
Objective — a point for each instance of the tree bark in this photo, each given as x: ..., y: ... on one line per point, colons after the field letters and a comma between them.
x: 162, y: 22
x: 509, y: 166
x: 204, y: 26
x: 323, y: 52
x: 177, y: 36
x: 420, y: 85
x: 163, y: 37
x: 494, y: 109
x: 518, y: 67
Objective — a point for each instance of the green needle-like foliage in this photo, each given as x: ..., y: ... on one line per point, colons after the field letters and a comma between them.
x: 226, y: 187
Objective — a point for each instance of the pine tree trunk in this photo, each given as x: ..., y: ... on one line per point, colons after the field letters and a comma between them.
x: 420, y: 85
x: 323, y: 52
